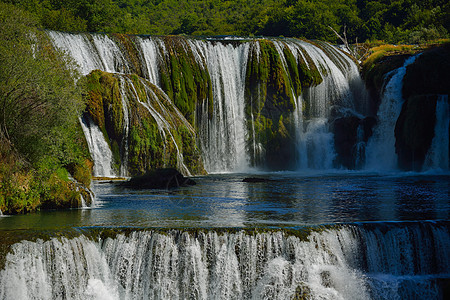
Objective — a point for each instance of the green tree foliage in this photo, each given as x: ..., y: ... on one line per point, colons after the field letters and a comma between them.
x: 39, y: 107
x: 393, y: 20
x: 38, y: 93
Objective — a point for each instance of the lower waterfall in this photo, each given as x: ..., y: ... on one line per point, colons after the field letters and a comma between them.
x: 380, y: 151
x: 438, y: 154
x: 359, y: 261
x: 99, y: 149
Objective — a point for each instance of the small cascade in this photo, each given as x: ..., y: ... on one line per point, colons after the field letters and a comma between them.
x: 151, y: 54
x: 365, y: 261
x: 112, y: 57
x: 126, y: 128
x: 1, y: 213
x: 99, y: 149
x: 79, y: 47
x: 438, y: 154
x: 316, y: 146
x: 83, y: 202
x: 380, y: 154
x: 360, y: 148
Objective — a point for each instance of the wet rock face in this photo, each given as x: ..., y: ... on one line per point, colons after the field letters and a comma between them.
x: 424, y: 80
x: 429, y: 74
x: 346, y: 137
x: 414, y: 131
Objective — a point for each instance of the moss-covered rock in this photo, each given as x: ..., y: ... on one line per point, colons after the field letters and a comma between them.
x: 302, y: 292
x: 157, y: 134
x: 184, y: 79
x: 424, y: 80
x: 130, y: 50
x: 274, y: 81
x: 270, y: 98
x: 376, y: 75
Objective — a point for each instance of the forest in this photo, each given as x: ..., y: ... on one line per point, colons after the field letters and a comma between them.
x: 393, y: 21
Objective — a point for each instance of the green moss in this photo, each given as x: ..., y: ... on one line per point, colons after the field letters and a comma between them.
x: 308, y: 72
x: 129, y: 48
x: 184, y: 80
x: 191, y: 153
x: 270, y: 96
x: 146, y: 147
x: 104, y: 105
x: 293, y: 68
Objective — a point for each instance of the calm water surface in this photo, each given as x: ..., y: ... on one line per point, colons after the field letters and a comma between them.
x: 287, y: 200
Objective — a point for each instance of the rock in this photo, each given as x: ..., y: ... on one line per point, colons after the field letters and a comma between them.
x: 345, y: 137
x: 429, y: 74
x: 256, y: 179
x: 424, y: 181
x: 414, y: 131
x: 159, y: 179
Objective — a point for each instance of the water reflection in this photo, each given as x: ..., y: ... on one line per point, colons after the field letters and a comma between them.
x: 287, y: 199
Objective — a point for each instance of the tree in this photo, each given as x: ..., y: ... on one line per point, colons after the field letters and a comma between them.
x: 38, y: 91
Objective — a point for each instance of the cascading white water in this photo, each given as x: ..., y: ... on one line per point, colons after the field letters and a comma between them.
x: 316, y: 146
x: 99, y: 149
x: 151, y: 54
x: 223, y: 137
x: 349, y: 262
x: 341, y: 85
x: 79, y: 48
x: 438, y: 154
x: 380, y: 151
x: 164, y: 119
x: 97, y: 51
x: 126, y: 128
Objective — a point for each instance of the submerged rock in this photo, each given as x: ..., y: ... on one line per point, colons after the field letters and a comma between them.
x: 159, y: 179
x: 256, y: 179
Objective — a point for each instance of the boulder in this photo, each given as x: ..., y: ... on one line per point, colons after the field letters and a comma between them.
x: 159, y: 179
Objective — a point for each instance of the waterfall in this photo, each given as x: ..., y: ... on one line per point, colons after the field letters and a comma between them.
x: 335, y: 96
x: 316, y: 146
x: 223, y: 137
x: 150, y: 51
x: 341, y: 262
x: 438, y: 154
x: 221, y: 125
x: 126, y: 128
x: 380, y: 152
x: 99, y: 149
